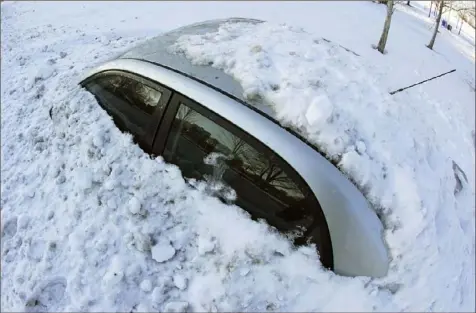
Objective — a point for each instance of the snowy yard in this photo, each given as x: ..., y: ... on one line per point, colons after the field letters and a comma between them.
x: 91, y: 223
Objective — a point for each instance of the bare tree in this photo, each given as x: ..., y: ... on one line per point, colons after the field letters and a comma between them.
x: 466, y: 11
x: 440, y: 4
x: 186, y: 114
x: 239, y: 148
x: 449, y: 13
x: 431, y: 5
x: 459, y: 22
x: 386, y: 27
x: 462, y: 8
x: 461, y: 26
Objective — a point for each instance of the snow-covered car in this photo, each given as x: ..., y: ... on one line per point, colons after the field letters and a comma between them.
x: 196, y: 117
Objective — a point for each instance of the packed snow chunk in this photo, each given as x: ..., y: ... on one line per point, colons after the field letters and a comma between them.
x: 180, y: 282
x: 110, y: 184
x: 134, y: 205
x: 205, y: 245
x: 114, y: 273
x: 23, y: 221
x: 162, y: 252
x: 111, y: 203
x: 98, y: 140
x: 84, y: 179
x: 361, y: 147
x: 44, y: 72
x: 158, y: 295
x: 146, y: 285
x: 177, y: 306
x: 112, y: 277
x: 319, y: 110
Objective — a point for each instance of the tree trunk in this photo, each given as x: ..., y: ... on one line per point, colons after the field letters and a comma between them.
x: 461, y: 26
x: 386, y: 27
x: 438, y: 20
x: 449, y: 14
x: 408, y: 2
x: 431, y: 5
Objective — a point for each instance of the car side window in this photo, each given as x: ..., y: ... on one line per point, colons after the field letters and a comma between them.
x: 135, y: 105
x: 238, y: 169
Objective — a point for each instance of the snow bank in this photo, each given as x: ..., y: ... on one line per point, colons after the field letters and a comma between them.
x: 74, y: 251
x: 90, y: 223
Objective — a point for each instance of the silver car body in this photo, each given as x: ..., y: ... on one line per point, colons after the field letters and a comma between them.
x: 355, y: 230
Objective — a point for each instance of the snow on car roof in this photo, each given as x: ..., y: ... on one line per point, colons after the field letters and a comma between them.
x: 157, y: 51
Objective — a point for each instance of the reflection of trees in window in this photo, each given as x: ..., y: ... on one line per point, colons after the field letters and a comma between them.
x: 265, y: 172
x: 126, y: 88
x: 149, y: 96
x: 133, y: 91
x: 234, y: 148
x: 238, y: 147
x: 261, y: 170
x: 186, y: 114
x: 184, y: 123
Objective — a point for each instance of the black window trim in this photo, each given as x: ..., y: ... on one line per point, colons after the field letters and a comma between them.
x: 326, y: 253
x: 156, y: 118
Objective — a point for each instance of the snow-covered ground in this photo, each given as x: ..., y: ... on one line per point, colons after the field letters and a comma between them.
x: 90, y: 223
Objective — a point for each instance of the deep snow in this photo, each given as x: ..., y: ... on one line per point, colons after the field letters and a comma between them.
x: 89, y: 223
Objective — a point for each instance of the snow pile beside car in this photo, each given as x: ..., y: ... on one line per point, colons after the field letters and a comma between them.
x: 412, y: 157
x: 90, y: 223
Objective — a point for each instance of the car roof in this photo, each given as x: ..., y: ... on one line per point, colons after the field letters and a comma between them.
x: 156, y: 50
